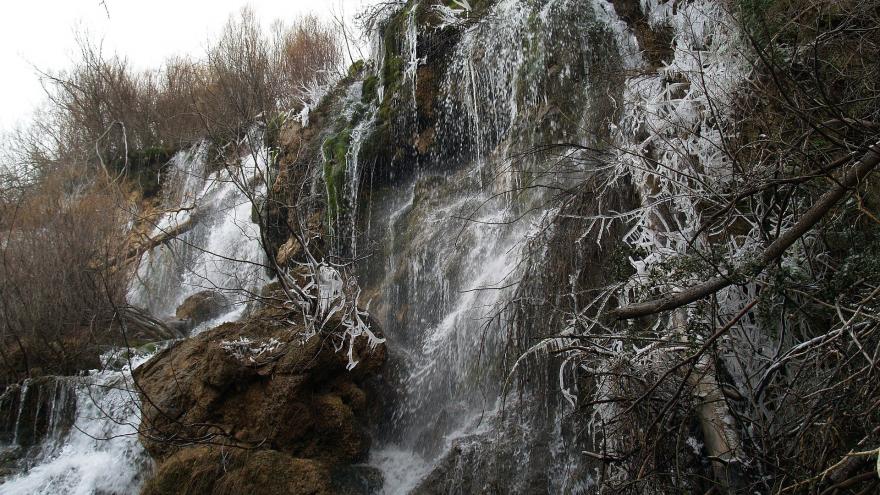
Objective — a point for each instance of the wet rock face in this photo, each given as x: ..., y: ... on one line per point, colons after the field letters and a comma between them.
x: 258, y: 386
x: 202, y: 306
x: 32, y: 412
x: 37, y: 409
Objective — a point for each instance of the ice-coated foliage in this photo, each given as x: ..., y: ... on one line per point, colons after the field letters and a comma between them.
x: 328, y: 301
x: 245, y: 349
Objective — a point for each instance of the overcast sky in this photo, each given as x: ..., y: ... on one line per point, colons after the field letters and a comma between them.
x: 41, y: 34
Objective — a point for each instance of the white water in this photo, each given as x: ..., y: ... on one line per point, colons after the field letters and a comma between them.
x: 100, y: 453
x: 503, y: 81
x: 453, y: 247
x: 222, y: 252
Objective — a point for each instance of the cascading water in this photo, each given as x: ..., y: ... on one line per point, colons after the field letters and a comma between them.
x: 219, y: 249
x: 529, y: 86
x: 527, y: 74
x: 446, y: 280
x: 80, y: 439
x: 78, y: 435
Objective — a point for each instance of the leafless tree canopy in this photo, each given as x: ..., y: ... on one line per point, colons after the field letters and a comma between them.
x: 70, y: 180
x: 103, y: 110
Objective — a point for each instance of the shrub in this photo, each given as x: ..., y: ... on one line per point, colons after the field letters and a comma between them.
x: 58, y: 292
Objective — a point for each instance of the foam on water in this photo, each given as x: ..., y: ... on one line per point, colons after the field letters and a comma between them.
x: 100, y: 453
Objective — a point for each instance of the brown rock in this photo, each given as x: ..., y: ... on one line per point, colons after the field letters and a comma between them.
x: 425, y: 140
x: 256, y: 384
x: 229, y: 471
x: 426, y: 90
x: 288, y: 251
x: 202, y: 306
x: 290, y: 136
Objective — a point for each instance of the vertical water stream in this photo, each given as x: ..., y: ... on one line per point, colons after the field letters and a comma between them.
x: 450, y: 244
x: 220, y: 250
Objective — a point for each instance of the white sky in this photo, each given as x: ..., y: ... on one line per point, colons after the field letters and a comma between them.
x: 41, y: 34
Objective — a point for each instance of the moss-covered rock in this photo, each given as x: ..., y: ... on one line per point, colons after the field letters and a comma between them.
x: 335, y: 152
x: 202, y: 306
x: 224, y: 471
x: 258, y: 385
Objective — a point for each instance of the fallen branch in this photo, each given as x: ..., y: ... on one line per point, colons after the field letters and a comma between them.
x: 148, y: 326
x: 155, y: 241
x: 860, y: 170
x: 840, y: 472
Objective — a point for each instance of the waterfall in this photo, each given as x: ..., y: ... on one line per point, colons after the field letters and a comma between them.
x: 453, y: 247
x: 83, y: 441
x: 78, y: 435
x: 220, y: 251
x: 444, y: 290
x: 528, y: 87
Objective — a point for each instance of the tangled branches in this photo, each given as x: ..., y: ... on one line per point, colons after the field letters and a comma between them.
x: 738, y: 349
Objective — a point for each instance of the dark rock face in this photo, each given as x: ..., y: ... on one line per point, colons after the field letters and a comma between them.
x: 357, y: 480
x: 202, y: 306
x: 263, y: 391
x: 38, y: 408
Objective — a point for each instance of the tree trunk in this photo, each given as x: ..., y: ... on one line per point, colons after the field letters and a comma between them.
x: 716, y: 422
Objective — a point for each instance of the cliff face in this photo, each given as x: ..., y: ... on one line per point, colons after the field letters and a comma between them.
x: 430, y: 167
x: 504, y: 175
x: 525, y: 195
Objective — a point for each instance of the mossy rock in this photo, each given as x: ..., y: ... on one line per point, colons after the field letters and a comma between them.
x: 202, y: 306
x: 262, y: 384
x: 335, y: 152
x: 219, y: 471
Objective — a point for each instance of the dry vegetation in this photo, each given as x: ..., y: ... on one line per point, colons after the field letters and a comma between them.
x: 105, y: 132
x: 104, y: 112
x: 56, y: 297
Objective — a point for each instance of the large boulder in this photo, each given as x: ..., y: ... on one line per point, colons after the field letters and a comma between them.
x: 202, y: 306
x: 260, y: 385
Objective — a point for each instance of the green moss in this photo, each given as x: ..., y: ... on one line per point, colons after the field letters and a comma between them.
x: 392, y: 70
x: 355, y: 68
x: 335, y: 150
x: 370, y: 89
x: 273, y: 129
x: 145, y: 167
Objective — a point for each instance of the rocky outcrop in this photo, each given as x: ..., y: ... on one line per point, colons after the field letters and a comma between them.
x: 202, y: 306
x: 261, y: 396
x: 215, y: 470
x: 36, y: 409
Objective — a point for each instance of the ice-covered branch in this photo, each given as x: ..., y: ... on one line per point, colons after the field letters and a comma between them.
x: 865, y: 165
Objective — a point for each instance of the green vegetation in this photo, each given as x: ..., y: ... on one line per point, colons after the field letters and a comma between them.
x: 145, y: 167
x: 335, y: 151
x: 370, y: 89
